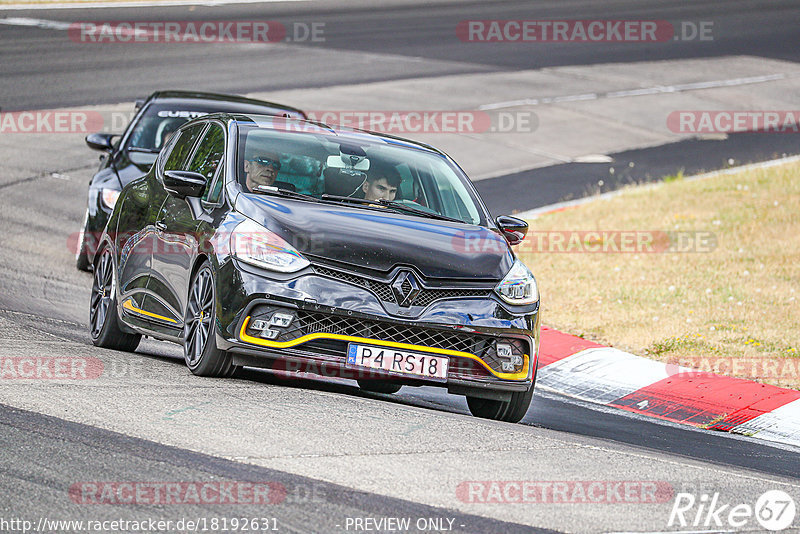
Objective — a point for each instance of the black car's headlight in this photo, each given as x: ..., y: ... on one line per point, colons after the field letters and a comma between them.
x: 519, y: 286
x: 254, y: 244
x: 109, y: 197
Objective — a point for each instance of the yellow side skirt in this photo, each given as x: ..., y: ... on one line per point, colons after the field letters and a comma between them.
x: 130, y: 307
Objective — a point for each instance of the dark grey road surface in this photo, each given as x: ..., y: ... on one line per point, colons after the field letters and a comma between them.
x: 364, y: 41
x: 548, y: 185
x: 61, y: 462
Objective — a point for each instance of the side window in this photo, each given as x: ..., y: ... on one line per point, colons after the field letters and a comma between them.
x: 183, y: 147
x: 207, y: 159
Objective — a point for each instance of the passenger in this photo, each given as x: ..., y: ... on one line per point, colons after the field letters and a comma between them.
x: 261, y: 170
x: 381, y: 184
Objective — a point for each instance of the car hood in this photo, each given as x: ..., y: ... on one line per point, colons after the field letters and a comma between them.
x: 119, y: 175
x: 129, y: 171
x: 381, y: 240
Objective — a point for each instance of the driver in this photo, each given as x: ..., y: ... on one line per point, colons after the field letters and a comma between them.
x: 261, y: 170
x: 381, y: 184
x: 165, y: 131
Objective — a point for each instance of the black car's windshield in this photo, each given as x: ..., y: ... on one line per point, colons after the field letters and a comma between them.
x: 156, y: 125
x: 384, y: 174
x: 160, y: 119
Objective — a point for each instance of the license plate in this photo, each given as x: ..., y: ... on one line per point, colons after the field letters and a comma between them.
x: 397, y: 361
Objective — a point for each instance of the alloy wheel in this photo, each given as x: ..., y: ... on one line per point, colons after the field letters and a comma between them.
x: 102, y: 293
x: 198, y: 317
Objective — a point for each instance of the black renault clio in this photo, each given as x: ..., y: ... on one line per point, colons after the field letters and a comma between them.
x: 286, y: 244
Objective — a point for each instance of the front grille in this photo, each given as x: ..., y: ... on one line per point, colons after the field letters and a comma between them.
x: 383, y: 290
x: 308, y: 322
x: 427, y: 296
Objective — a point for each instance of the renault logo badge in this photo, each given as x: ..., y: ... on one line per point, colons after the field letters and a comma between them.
x: 405, y: 288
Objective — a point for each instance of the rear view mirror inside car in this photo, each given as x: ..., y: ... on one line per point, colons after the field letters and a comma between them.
x: 350, y: 157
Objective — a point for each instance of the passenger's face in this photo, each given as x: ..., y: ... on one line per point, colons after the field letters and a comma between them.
x: 259, y: 174
x: 380, y: 189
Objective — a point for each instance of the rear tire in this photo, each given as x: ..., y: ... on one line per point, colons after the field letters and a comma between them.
x: 200, y: 351
x: 510, y: 411
x: 103, y: 319
x: 379, y: 386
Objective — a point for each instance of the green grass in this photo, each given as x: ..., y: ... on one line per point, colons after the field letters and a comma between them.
x: 736, y: 300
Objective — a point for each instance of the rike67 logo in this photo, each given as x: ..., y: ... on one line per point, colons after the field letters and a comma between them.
x: 774, y: 510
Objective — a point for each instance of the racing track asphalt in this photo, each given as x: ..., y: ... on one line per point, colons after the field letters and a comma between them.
x: 87, y: 454
x: 569, y: 181
x: 364, y: 41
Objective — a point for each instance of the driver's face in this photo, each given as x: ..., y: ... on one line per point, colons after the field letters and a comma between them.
x: 379, y: 189
x: 259, y: 174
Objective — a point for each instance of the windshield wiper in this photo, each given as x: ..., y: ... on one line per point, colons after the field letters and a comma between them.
x: 144, y: 150
x: 392, y: 204
x: 352, y: 200
x: 272, y: 190
x: 416, y: 211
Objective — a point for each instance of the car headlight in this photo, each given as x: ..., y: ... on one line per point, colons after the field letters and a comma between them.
x: 109, y: 197
x: 254, y: 244
x: 518, y: 286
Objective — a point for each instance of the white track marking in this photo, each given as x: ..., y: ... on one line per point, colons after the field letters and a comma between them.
x: 657, y: 89
x: 781, y: 424
x: 36, y: 23
x: 141, y: 3
x: 602, y: 374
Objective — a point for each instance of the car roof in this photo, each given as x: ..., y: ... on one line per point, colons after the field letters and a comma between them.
x: 250, y: 105
x: 308, y: 126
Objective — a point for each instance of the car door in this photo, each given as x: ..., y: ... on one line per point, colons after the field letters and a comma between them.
x: 148, y: 306
x: 134, y: 239
x: 177, y: 238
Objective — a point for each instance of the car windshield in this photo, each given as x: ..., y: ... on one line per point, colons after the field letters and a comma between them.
x: 156, y: 126
x: 358, y: 169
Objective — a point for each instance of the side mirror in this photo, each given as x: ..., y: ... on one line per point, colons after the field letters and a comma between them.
x: 100, y: 141
x: 182, y: 184
x: 513, y: 229
x: 138, y: 104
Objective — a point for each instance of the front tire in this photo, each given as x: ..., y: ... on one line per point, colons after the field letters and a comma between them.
x: 200, y: 351
x: 510, y: 411
x: 81, y: 256
x: 103, y: 319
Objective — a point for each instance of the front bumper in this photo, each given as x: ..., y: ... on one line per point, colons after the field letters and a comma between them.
x: 327, y: 314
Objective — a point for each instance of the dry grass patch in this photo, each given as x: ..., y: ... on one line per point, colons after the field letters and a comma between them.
x: 733, y: 310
